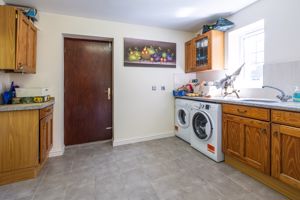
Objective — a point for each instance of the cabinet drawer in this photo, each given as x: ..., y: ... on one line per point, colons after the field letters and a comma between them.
x: 246, y: 111
x: 46, y: 111
x: 286, y: 117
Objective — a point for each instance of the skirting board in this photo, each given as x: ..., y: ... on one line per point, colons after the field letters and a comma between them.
x: 57, y: 152
x: 142, y: 139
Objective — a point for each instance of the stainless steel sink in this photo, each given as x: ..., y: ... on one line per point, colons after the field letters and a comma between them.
x: 259, y: 100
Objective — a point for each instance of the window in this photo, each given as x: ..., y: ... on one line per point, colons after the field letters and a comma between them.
x: 246, y: 45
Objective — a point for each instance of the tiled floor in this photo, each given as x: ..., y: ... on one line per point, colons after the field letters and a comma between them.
x: 160, y: 169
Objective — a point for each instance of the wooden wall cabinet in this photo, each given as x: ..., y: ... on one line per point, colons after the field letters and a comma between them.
x: 205, y: 52
x: 247, y: 140
x: 25, y: 142
x: 18, y: 38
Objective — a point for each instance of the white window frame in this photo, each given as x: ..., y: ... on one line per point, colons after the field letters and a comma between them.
x: 236, y: 55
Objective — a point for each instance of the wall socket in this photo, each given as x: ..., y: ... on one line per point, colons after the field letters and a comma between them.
x: 163, y: 88
x: 154, y: 88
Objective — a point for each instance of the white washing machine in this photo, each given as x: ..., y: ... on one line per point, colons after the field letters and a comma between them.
x: 206, y: 128
x: 182, y: 119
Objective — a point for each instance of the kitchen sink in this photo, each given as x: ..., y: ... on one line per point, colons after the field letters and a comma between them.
x: 259, y: 100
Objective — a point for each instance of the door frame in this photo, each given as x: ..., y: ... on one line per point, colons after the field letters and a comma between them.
x: 100, y: 39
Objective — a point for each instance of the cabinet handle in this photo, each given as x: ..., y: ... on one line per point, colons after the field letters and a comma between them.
x: 242, y: 111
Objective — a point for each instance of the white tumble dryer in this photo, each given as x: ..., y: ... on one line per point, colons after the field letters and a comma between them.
x: 206, y: 128
x: 182, y: 119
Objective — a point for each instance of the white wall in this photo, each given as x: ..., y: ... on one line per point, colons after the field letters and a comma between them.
x: 281, y: 40
x: 138, y: 111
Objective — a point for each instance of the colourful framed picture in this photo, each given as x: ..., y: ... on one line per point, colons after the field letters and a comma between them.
x: 148, y: 53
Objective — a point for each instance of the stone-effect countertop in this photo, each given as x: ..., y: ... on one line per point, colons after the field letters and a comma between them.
x: 290, y: 105
x: 31, y: 106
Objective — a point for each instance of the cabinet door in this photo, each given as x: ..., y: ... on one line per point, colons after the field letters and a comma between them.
x: 203, y: 60
x: 46, y: 137
x: 256, y: 152
x: 43, y: 139
x: 49, y: 132
x: 286, y: 154
x: 233, y: 135
x: 31, y: 49
x: 7, y: 38
x: 189, y: 56
x: 18, y: 139
x: 247, y: 140
x: 22, y: 34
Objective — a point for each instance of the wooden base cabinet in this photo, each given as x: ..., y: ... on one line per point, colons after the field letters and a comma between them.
x: 247, y: 140
x: 18, y: 38
x: 25, y: 142
x: 18, y: 145
x: 286, y: 154
x: 272, y: 157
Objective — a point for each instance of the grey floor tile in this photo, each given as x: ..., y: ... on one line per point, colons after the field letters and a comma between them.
x: 54, y: 194
x: 20, y: 190
x: 81, y: 192
x: 164, y: 169
x: 168, y: 188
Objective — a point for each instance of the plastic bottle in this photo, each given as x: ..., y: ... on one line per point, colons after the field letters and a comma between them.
x: 296, y: 95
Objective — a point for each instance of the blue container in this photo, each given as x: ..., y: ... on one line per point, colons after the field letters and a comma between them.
x: 179, y: 93
x: 7, y: 97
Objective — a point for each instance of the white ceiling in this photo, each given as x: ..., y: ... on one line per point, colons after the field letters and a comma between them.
x: 186, y: 15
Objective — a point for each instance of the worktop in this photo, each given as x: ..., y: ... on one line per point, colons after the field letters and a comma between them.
x: 289, y: 106
x: 31, y: 106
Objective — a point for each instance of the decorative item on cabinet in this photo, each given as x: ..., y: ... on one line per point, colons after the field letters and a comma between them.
x: 205, y: 52
x: 18, y: 41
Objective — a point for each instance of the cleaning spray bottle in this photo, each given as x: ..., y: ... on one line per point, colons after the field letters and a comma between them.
x: 296, y: 95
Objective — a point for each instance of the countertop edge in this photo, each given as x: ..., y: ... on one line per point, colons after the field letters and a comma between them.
x: 287, y: 106
x: 19, y: 107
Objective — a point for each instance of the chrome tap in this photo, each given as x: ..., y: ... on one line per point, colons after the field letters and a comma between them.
x: 282, y: 97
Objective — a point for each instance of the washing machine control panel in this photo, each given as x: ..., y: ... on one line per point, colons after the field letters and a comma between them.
x: 204, y: 106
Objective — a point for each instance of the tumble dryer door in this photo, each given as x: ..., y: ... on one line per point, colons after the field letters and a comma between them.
x: 202, y: 125
x: 182, y: 117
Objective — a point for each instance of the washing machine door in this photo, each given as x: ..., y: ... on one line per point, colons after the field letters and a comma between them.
x: 182, y: 117
x: 202, y: 125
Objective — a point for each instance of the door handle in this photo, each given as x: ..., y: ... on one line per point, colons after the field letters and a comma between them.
x: 108, y: 91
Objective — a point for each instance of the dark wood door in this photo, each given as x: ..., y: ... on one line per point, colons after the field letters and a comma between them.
x: 87, y: 91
